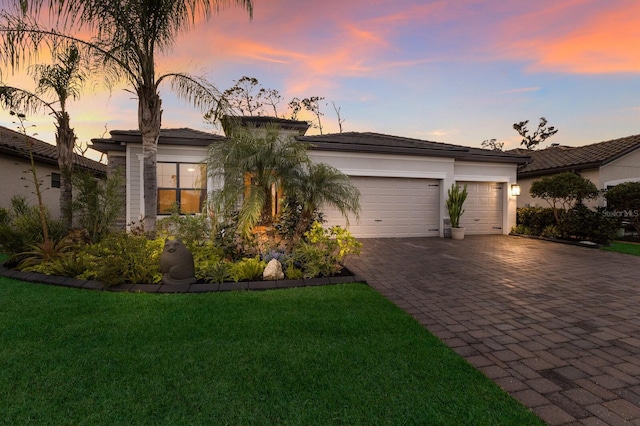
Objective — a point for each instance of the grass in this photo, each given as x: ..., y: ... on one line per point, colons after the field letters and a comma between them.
x: 624, y: 247
x: 324, y: 355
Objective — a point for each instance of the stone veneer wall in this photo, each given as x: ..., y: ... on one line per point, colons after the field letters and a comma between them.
x: 119, y: 161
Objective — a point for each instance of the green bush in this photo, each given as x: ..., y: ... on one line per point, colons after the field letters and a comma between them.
x: 125, y: 258
x: 323, y: 251
x: 249, y: 269
x: 585, y: 224
x: 623, y: 203
x: 21, y: 228
x: 551, y: 231
x: 97, y: 203
x: 534, y: 219
x: 189, y: 229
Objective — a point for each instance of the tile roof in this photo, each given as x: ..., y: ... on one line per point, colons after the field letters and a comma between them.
x: 179, y: 136
x: 368, y: 142
x: 14, y: 143
x: 560, y: 158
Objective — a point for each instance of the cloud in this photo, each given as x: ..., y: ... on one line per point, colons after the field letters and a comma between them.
x: 519, y: 90
x: 582, y: 37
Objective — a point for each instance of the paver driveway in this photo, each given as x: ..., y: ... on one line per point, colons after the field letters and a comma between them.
x: 556, y: 326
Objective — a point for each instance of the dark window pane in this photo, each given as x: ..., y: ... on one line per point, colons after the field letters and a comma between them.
x: 55, y: 180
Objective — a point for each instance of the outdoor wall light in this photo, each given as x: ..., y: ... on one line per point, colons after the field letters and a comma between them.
x: 515, y: 189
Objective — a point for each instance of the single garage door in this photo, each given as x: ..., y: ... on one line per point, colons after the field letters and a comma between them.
x: 393, y: 207
x: 483, y: 208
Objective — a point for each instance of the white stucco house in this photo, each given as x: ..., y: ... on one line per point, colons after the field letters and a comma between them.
x: 403, y: 181
x: 15, y: 170
x: 606, y: 164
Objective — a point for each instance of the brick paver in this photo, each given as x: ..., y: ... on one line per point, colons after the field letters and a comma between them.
x: 557, y: 326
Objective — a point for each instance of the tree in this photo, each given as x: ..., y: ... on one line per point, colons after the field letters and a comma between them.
x: 532, y: 141
x: 317, y: 185
x: 244, y: 96
x: 623, y: 201
x: 251, y: 164
x: 63, y: 80
x: 311, y: 105
x: 493, y: 145
x: 126, y: 35
x: 340, y: 119
x: 563, y: 191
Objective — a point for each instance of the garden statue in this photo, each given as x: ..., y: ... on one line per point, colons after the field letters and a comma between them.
x: 176, y: 263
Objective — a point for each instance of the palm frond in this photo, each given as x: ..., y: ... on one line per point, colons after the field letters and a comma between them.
x: 16, y: 99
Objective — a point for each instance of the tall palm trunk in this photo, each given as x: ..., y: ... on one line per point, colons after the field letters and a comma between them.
x: 149, y: 120
x: 65, y: 141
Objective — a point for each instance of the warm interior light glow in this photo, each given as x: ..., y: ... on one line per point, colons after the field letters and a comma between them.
x: 515, y: 189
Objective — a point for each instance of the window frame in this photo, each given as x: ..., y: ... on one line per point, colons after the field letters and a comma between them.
x: 178, y: 189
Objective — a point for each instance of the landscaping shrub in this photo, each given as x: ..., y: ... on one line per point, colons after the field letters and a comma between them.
x: 125, y: 258
x: 585, y: 224
x: 533, y: 220
x: 249, y: 269
x: 97, y: 203
x: 21, y: 229
x: 623, y: 203
x: 323, y: 251
x: 187, y: 228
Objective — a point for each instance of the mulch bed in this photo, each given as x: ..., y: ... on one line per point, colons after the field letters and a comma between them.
x: 345, y: 277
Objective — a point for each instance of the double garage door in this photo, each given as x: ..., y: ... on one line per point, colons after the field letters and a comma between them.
x: 405, y: 207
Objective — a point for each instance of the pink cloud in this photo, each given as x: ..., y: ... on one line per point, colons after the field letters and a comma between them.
x: 583, y: 37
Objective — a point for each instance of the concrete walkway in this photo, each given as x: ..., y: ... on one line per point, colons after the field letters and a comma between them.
x: 556, y: 326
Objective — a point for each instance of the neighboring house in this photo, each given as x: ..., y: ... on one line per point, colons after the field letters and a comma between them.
x: 15, y: 170
x: 606, y: 164
x: 403, y: 181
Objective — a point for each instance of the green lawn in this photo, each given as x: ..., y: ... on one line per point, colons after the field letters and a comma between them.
x: 623, y: 247
x: 325, y: 355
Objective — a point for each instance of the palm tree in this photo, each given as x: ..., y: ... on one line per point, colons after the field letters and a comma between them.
x: 251, y: 164
x: 127, y: 34
x: 318, y: 185
x: 64, y: 79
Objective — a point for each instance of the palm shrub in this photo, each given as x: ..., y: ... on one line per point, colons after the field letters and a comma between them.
x: 252, y: 163
x: 454, y: 203
x: 316, y: 185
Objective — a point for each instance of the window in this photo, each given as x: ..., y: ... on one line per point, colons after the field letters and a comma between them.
x: 181, y: 184
x: 55, y: 180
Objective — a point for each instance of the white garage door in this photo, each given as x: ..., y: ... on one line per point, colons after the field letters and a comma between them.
x: 393, y: 207
x: 483, y: 208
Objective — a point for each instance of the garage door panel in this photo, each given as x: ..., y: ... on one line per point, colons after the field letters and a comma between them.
x: 483, y: 208
x: 393, y: 207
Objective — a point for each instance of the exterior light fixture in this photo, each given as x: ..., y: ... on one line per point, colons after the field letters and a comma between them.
x: 515, y: 189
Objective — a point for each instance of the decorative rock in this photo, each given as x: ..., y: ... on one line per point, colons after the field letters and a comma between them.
x: 273, y: 271
x: 176, y: 264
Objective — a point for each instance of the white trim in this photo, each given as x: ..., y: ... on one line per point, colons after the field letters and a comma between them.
x: 477, y: 178
x: 619, y: 181
x: 362, y: 155
x: 394, y: 173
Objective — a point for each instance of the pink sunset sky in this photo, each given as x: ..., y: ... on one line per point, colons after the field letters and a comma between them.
x: 457, y: 71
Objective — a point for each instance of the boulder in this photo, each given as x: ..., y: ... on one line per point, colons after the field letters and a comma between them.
x: 273, y: 271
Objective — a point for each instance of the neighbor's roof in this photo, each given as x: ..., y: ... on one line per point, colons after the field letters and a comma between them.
x: 560, y: 158
x: 182, y: 136
x: 367, y: 142
x: 15, y: 144
x: 299, y: 126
